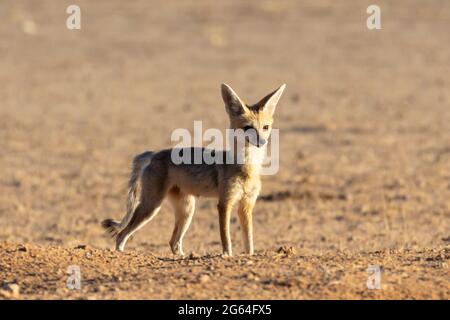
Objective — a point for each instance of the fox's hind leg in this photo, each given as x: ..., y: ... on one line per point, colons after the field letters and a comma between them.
x: 152, y: 195
x: 184, y: 207
x: 141, y: 216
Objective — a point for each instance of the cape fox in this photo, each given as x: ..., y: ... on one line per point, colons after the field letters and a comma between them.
x: 155, y: 176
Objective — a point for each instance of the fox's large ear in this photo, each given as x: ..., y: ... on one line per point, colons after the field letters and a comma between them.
x: 269, y: 102
x: 233, y: 103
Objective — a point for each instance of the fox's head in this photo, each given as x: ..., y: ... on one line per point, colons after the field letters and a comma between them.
x: 255, y: 120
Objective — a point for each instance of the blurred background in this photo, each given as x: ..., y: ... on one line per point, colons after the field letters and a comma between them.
x: 364, y: 122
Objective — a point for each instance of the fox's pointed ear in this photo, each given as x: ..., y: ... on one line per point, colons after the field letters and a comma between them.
x: 269, y: 103
x: 233, y: 104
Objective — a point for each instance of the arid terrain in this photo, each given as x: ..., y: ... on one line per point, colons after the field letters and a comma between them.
x: 364, y: 153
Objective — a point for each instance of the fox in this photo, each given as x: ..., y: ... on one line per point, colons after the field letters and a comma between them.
x: 155, y: 177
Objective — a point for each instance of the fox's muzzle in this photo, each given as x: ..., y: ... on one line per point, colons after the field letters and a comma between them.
x: 261, y: 142
x: 256, y: 140
x: 252, y: 136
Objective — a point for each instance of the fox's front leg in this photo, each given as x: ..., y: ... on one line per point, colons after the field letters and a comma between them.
x: 224, y: 209
x: 245, y: 212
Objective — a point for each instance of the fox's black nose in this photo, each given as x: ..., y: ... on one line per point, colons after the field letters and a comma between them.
x: 261, y: 142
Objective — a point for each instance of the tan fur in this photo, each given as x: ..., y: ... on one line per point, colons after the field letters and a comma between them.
x: 158, y: 178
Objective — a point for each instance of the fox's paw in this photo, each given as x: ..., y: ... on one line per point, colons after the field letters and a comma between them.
x: 226, y: 255
x: 176, y: 249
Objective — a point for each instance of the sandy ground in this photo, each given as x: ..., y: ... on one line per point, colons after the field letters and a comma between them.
x: 364, y: 125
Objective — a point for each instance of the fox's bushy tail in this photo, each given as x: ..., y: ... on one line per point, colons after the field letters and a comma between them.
x: 113, y: 227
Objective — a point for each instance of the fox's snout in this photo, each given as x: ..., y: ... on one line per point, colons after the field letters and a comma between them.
x: 261, y: 142
x: 253, y: 137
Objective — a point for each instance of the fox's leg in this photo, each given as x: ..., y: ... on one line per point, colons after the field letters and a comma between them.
x: 152, y: 195
x: 245, y: 212
x: 184, y: 207
x: 141, y: 216
x: 224, y: 208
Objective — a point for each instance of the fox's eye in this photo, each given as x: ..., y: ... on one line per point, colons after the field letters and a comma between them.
x: 266, y: 127
x: 246, y: 128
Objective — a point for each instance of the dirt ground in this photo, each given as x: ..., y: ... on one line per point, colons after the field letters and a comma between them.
x: 364, y: 123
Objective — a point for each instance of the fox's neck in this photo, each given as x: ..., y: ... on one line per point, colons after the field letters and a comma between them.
x: 249, y: 157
